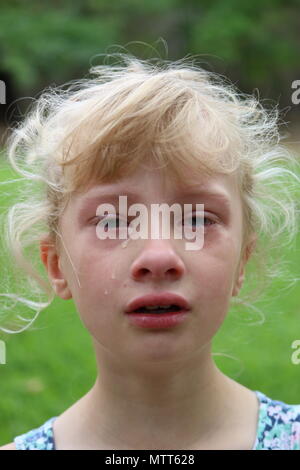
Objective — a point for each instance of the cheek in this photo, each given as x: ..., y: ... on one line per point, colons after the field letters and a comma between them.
x: 214, y: 271
x: 213, y: 284
x: 90, y: 275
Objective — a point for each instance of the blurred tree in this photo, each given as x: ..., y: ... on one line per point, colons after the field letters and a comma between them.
x: 51, y: 40
x: 259, y: 42
x: 255, y: 44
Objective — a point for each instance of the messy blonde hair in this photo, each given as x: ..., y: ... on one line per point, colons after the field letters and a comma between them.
x: 102, y: 128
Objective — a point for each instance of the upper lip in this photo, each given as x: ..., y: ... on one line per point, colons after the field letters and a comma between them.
x: 164, y: 298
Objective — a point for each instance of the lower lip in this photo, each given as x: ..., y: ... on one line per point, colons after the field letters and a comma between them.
x: 157, y: 320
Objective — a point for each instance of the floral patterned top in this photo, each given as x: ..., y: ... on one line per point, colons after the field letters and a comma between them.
x: 278, y: 428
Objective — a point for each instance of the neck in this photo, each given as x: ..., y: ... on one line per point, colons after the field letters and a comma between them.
x: 165, y: 406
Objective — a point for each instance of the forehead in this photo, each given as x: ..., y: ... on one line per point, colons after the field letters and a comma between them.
x: 148, y: 185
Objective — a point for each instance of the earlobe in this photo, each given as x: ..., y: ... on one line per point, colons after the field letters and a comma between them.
x: 249, y: 248
x: 61, y: 289
x: 52, y: 262
x: 238, y: 284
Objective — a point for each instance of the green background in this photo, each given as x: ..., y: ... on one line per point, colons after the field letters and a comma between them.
x: 256, y: 45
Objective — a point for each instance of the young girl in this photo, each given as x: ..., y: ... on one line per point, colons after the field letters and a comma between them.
x: 157, y: 133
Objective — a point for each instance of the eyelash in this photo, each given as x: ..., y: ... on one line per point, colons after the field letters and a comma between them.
x: 97, y: 219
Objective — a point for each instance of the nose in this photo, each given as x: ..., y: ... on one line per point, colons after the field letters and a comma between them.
x: 157, y: 261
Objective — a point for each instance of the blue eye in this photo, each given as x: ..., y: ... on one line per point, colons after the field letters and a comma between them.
x: 110, y: 222
x: 115, y: 222
x: 201, y: 219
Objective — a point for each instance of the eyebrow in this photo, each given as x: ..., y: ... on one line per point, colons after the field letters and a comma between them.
x: 113, y: 195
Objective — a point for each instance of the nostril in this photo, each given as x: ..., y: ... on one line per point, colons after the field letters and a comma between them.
x: 143, y: 271
x: 173, y: 271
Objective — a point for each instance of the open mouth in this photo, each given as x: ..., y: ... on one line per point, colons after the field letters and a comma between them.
x: 163, y: 304
x: 157, y: 309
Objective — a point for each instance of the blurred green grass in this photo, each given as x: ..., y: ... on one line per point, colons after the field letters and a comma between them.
x: 52, y: 365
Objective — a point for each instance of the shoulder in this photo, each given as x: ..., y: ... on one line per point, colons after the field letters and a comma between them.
x: 279, y: 424
x: 10, y: 446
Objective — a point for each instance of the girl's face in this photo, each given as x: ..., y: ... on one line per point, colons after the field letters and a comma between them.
x: 103, y: 276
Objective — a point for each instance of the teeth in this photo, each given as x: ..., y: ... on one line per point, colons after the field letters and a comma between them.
x: 155, y: 307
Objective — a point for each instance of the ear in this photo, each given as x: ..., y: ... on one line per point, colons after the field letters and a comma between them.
x: 248, y: 250
x: 52, y: 262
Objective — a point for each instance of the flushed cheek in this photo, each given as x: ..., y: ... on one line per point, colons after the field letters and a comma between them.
x: 95, y: 266
x: 93, y: 281
x: 220, y: 281
x: 211, y: 305
x: 213, y: 275
x: 97, y: 306
x: 213, y: 293
x: 99, y: 283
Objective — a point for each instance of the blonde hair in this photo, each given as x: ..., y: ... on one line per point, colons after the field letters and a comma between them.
x: 102, y: 128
